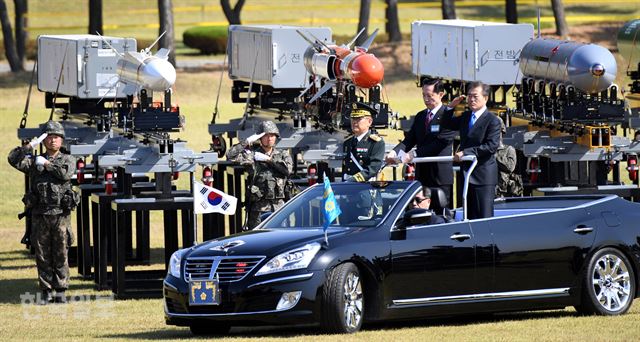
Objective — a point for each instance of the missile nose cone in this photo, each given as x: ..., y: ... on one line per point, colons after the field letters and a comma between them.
x: 367, y: 71
x: 159, y: 74
x: 597, y: 69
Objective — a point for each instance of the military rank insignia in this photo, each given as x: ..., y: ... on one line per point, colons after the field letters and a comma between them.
x: 204, y: 292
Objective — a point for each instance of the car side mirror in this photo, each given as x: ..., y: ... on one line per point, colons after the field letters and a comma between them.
x: 417, y: 217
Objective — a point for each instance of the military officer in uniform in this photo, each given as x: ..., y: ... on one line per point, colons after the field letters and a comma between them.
x: 363, y: 151
x: 50, y: 201
x: 269, y: 169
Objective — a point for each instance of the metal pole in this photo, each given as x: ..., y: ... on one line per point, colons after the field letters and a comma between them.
x: 467, y: 174
x: 195, y: 216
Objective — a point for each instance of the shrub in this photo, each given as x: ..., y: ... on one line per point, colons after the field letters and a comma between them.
x: 207, y: 39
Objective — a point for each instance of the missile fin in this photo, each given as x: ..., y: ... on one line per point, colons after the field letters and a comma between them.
x: 163, y: 54
x: 134, y: 57
x: 367, y: 44
x: 322, y: 90
x: 354, y: 38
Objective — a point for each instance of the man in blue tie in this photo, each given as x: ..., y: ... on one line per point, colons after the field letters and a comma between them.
x: 479, y: 136
x: 430, y: 140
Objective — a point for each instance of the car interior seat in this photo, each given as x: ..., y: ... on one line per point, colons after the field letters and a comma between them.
x: 439, y: 204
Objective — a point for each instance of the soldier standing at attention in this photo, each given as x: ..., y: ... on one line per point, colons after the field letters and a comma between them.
x: 269, y: 169
x: 509, y: 182
x: 50, y: 201
x: 363, y: 151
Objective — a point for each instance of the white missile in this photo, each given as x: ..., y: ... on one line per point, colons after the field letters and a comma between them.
x: 142, y: 70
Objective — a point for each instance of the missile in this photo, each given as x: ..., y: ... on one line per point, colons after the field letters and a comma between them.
x: 142, y: 70
x: 341, y: 63
x: 588, y: 67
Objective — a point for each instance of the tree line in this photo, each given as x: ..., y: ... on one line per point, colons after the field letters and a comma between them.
x: 15, y: 40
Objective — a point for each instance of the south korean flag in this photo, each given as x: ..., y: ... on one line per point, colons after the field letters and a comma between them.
x: 209, y: 200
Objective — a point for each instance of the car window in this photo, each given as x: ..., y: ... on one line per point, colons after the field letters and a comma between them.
x: 362, y: 205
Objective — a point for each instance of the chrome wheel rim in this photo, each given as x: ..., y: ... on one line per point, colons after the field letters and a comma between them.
x: 611, y: 284
x: 352, y: 301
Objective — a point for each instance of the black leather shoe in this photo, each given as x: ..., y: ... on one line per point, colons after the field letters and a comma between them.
x: 60, y: 297
x: 45, y: 298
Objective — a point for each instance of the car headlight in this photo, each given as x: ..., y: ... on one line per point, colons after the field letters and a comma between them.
x: 291, y: 260
x: 174, y: 262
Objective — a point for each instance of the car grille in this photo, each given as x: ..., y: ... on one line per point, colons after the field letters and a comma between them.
x: 227, y: 269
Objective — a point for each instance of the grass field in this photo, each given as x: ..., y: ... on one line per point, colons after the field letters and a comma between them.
x: 92, y: 315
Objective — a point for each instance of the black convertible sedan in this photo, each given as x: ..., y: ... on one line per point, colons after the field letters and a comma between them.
x: 383, y: 261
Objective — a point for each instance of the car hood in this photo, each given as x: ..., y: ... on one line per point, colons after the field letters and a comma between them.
x: 267, y: 242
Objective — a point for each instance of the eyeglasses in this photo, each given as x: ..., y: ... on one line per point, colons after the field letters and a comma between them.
x: 419, y: 200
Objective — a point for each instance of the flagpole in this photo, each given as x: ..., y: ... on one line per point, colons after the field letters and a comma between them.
x: 195, y: 216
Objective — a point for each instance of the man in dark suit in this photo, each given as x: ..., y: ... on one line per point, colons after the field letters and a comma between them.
x: 430, y: 140
x: 479, y: 136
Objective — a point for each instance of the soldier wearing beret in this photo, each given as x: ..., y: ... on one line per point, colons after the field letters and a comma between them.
x: 363, y: 151
x: 50, y: 201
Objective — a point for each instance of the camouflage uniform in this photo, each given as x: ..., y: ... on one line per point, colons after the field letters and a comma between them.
x: 267, y: 179
x: 509, y: 183
x: 50, y: 201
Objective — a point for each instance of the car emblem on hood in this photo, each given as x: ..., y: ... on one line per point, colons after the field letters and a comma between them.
x: 225, y: 247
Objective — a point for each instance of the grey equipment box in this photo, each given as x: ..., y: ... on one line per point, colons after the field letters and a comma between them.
x: 468, y: 50
x: 89, y: 68
x: 276, y: 51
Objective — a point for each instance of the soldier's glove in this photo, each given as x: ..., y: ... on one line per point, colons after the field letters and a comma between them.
x: 349, y: 178
x: 254, y: 138
x: 40, y: 161
x: 36, y: 141
x: 258, y: 156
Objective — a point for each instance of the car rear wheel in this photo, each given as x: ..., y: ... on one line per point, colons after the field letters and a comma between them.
x: 210, y: 328
x: 343, y: 300
x: 609, y: 284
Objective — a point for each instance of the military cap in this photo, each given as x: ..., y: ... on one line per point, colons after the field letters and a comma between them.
x: 268, y: 127
x: 55, y: 128
x: 359, y: 110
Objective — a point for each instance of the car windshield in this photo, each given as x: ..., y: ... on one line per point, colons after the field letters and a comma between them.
x: 362, y: 205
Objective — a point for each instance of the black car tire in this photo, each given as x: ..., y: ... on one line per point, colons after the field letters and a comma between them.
x: 604, y: 281
x: 210, y: 328
x: 342, y: 300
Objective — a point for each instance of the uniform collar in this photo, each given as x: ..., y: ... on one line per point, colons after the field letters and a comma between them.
x: 361, y: 136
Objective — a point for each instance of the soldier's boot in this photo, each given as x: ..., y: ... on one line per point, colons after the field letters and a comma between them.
x: 60, y: 297
x: 46, y: 297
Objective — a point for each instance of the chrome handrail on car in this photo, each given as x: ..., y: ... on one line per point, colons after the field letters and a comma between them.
x: 467, y: 174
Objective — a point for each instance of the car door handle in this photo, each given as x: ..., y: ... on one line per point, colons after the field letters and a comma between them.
x: 460, y: 237
x: 583, y: 230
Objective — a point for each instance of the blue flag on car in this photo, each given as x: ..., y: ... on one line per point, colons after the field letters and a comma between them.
x: 330, y: 208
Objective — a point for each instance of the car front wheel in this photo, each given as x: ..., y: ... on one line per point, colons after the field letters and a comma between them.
x: 609, y: 284
x: 343, y: 300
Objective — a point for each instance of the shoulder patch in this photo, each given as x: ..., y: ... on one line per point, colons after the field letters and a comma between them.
x: 375, y: 137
